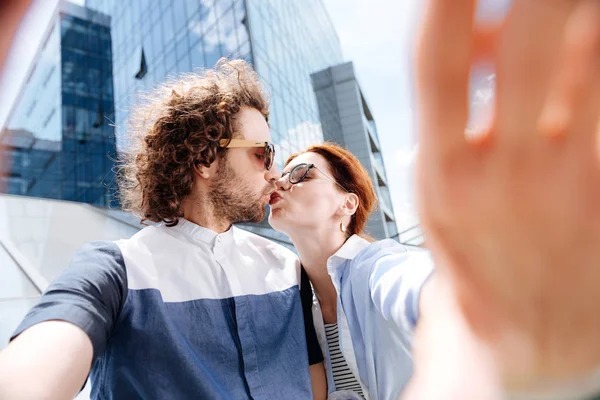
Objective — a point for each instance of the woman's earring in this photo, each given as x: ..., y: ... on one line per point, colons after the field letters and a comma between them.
x: 342, y: 227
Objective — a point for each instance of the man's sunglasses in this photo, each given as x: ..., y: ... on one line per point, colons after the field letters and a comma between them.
x: 300, y: 172
x: 243, y: 143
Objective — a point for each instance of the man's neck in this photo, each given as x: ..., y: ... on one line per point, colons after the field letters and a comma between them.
x: 314, y: 249
x: 200, y: 212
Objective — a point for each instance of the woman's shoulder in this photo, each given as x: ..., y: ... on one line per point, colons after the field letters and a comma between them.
x: 383, y: 247
x: 389, y: 251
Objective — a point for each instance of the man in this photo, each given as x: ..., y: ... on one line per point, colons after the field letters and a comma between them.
x: 191, y: 307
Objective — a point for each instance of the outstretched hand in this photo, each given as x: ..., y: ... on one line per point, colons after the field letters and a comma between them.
x: 512, y: 216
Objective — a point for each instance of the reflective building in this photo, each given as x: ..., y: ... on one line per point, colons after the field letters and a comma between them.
x: 290, y: 40
x: 285, y: 40
x: 58, y: 137
x: 153, y: 40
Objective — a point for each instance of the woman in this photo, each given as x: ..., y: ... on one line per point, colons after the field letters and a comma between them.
x: 367, y: 292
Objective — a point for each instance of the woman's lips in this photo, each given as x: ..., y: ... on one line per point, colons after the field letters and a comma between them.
x: 275, y: 197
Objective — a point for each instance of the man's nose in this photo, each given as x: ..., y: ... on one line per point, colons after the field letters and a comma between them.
x: 272, y: 174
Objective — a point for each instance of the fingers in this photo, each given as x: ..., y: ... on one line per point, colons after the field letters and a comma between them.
x: 573, y: 104
x: 527, y: 59
x: 444, y: 55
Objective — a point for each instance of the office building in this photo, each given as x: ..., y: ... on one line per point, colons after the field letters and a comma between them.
x: 59, y: 137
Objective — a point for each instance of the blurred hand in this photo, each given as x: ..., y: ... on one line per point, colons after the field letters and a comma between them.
x: 11, y: 12
x: 513, y: 216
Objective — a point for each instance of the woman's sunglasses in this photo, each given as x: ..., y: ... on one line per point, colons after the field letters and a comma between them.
x: 241, y: 143
x: 300, y: 172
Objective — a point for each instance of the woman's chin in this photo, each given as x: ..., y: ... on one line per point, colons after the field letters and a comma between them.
x: 278, y: 220
x: 275, y: 218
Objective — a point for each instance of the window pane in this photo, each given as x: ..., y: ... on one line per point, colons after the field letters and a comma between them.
x: 179, y: 13
x: 182, y: 48
x: 212, y: 47
x: 228, y: 29
x: 168, y: 27
x: 197, y: 56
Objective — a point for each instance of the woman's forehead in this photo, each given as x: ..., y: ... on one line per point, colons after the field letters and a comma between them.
x: 308, y: 158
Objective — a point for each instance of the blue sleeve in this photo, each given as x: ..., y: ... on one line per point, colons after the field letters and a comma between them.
x: 90, y: 294
x: 396, y: 279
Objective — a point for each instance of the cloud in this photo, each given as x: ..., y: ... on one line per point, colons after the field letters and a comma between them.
x: 227, y: 34
x: 298, y: 138
x: 401, y: 178
x: 406, y: 157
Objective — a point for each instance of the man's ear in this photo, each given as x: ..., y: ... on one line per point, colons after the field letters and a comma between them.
x: 205, y: 172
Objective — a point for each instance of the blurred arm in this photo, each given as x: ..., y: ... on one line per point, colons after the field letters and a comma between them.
x: 50, y: 360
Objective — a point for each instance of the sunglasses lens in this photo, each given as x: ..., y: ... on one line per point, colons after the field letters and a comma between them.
x: 298, y: 173
x: 269, y: 156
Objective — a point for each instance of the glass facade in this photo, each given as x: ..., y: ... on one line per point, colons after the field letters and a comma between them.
x: 59, y: 136
x: 291, y: 40
x: 286, y: 41
x: 156, y: 39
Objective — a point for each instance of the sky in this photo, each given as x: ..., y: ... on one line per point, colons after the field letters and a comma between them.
x: 377, y: 35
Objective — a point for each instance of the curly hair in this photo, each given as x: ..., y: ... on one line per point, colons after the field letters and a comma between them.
x: 179, y: 125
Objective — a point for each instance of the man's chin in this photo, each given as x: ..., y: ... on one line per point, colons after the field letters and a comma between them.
x: 260, y: 216
x: 258, y: 220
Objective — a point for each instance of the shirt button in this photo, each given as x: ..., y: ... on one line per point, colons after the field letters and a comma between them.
x: 218, y: 239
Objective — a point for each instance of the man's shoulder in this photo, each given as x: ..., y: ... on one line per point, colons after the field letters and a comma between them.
x: 95, y: 261
x: 264, y: 245
x: 146, y: 237
x: 100, y: 252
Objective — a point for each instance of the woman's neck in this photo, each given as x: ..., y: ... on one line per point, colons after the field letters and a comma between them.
x: 314, y: 249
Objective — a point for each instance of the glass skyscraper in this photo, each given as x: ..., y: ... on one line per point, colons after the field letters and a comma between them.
x: 285, y: 40
x: 153, y: 40
x: 59, y: 135
x: 290, y: 40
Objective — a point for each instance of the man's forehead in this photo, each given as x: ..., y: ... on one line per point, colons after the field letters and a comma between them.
x: 251, y: 125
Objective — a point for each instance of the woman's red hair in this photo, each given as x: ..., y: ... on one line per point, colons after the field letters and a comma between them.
x: 350, y: 173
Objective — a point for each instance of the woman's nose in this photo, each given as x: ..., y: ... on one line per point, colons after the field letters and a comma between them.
x: 283, y: 182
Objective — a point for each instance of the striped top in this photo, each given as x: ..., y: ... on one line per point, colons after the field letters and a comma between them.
x: 343, y: 378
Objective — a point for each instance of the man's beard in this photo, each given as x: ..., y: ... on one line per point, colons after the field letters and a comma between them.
x: 233, y: 201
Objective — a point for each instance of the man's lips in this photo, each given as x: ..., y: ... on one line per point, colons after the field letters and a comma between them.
x: 275, y: 197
